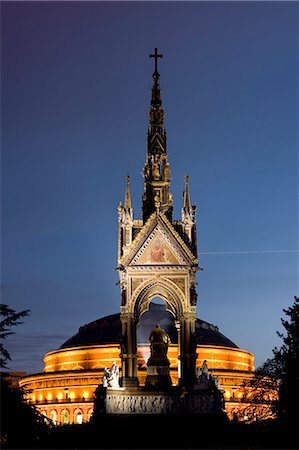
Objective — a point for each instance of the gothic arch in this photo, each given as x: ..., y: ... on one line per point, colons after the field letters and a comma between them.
x: 53, y: 416
x: 65, y: 416
x: 78, y: 416
x: 158, y: 287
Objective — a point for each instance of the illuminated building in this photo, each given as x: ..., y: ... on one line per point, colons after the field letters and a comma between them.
x: 157, y: 259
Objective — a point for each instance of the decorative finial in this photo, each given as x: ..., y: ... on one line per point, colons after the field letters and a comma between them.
x: 120, y: 211
x: 156, y: 56
x: 128, y: 193
x: 186, y: 204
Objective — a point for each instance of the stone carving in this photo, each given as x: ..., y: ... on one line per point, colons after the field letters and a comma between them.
x: 161, y: 404
x: 214, y: 381
x: 206, y: 381
x: 158, y: 376
x: 204, y: 368
x: 111, y: 376
x: 106, y: 377
x: 180, y: 282
x: 156, y: 171
x: 202, y: 376
x: 135, y: 283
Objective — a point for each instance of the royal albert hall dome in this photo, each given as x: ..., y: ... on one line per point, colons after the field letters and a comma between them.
x: 107, y: 330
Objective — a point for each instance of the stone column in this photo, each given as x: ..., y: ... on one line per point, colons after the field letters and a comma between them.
x: 188, y: 348
x: 129, y: 350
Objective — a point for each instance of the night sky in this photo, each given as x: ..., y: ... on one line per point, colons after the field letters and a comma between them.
x: 75, y: 96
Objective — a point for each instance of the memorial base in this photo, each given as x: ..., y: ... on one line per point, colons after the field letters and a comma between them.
x: 141, y: 401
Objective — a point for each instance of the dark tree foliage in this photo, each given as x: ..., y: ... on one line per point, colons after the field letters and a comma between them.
x: 273, y: 391
x: 284, y: 366
x: 287, y: 361
x: 22, y: 426
x: 10, y: 318
x: 271, y: 367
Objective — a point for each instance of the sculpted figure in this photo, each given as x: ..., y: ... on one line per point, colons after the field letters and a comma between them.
x: 204, y: 368
x: 214, y: 380
x: 156, y: 171
x: 114, y: 376
x: 159, y: 341
x: 202, y: 374
x: 198, y: 372
x: 106, y: 376
x: 147, y: 172
x: 111, y: 376
x: 167, y: 172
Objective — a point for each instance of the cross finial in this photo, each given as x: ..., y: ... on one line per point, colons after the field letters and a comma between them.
x: 156, y: 56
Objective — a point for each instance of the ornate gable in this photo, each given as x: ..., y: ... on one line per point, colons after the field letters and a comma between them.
x: 158, y: 243
x: 157, y: 249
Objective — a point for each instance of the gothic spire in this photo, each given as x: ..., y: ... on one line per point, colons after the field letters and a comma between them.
x: 188, y: 213
x: 127, y: 204
x: 186, y: 203
x: 156, y: 169
x: 125, y: 221
x: 125, y: 211
x: 156, y: 129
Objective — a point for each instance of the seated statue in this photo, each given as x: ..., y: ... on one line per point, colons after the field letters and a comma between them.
x: 158, y: 376
x: 159, y: 341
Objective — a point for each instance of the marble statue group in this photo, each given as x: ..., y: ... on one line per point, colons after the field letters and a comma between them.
x: 205, y: 380
x: 111, y: 376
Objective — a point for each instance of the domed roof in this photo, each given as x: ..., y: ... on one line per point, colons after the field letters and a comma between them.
x: 107, y: 330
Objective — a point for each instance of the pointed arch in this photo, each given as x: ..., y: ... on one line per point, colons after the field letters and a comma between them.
x: 65, y: 417
x: 158, y: 287
x: 78, y: 416
x: 53, y: 416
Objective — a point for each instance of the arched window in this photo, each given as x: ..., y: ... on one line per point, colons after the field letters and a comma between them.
x: 78, y: 417
x: 65, y: 417
x: 53, y: 416
x: 89, y: 414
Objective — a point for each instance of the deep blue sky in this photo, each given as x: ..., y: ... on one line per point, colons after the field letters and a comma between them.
x: 75, y: 97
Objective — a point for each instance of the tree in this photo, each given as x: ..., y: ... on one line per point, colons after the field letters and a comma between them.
x: 22, y: 426
x: 10, y: 319
x: 287, y: 359
x: 21, y: 423
x: 273, y: 391
x: 259, y: 395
